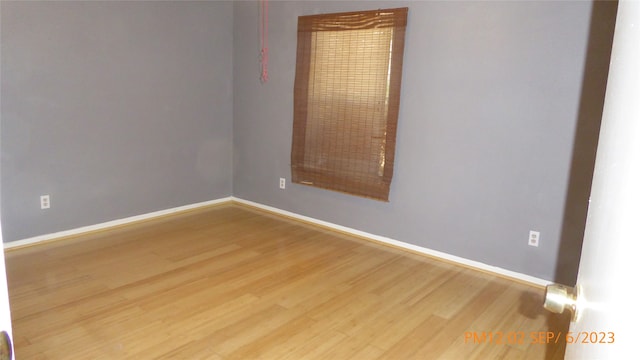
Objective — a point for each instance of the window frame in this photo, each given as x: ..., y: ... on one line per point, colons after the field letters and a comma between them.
x: 302, y: 173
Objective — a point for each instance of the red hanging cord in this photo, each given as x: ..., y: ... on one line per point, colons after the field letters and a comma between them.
x: 264, y: 40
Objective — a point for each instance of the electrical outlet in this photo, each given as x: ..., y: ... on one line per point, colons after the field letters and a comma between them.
x: 534, y: 238
x: 45, y: 202
x: 283, y: 183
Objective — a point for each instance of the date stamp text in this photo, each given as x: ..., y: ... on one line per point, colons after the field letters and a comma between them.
x: 538, y: 337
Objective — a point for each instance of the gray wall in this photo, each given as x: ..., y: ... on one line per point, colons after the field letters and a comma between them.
x: 114, y: 109
x: 489, y: 107
x: 123, y: 108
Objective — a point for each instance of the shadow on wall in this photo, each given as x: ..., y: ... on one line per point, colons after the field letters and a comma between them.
x: 596, y: 70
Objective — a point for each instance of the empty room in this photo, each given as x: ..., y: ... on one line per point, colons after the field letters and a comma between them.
x: 310, y: 179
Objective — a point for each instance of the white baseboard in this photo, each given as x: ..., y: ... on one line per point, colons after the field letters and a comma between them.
x: 113, y: 223
x: 437, y: 254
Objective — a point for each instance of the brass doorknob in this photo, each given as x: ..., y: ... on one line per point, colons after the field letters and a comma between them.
x: 559, y: 298
x: 5, y: 346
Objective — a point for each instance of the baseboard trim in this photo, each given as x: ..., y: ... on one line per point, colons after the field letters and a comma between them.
x: 512, y: 275
x: 361, y: 234
x: 111, y: 224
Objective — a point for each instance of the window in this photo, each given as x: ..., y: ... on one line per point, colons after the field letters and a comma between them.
x: 346, y: 100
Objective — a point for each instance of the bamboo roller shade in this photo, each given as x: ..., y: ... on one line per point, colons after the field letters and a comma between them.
x: 346, y: 100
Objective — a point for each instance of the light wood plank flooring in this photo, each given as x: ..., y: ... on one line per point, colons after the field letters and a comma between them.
x: 232, y: 282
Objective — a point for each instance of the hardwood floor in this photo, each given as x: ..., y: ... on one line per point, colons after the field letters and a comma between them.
x: 232, y: 282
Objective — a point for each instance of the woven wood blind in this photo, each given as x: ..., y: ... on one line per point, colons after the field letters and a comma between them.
x: 346, y: 100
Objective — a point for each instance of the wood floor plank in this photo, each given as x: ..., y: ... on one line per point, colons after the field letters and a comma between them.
x: 233, y: 282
